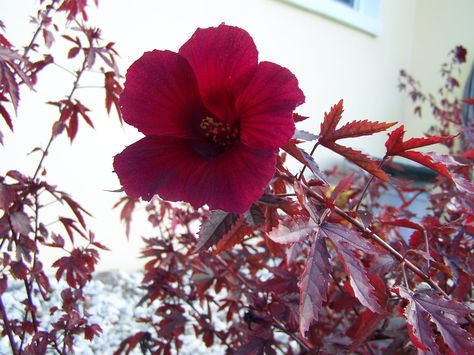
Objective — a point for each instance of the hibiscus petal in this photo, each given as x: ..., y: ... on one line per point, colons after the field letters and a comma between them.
x: 161, y: 95
x: 233, y: 180
x: 172, y: 169
x: 266, y: 107
x: 221, y: 57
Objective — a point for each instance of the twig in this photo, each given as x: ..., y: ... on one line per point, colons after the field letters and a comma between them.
x: 69, y: 97
x: 378, y: 240
x: 38, y: 29
x: 292, y: 335
x: 366, y: 187
x: 201, y: 316
x: 305, y: 165
x: 275, y: 322
x: 8, y: 329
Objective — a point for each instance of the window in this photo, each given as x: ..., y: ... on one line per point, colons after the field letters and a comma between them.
x: 363, y: 15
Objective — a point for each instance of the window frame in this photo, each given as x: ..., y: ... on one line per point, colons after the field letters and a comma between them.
x: 363, y: 16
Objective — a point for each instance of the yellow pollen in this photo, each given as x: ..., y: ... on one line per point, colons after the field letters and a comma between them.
x: 218, y: 132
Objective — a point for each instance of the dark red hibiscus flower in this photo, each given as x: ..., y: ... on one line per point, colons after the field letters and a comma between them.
x: 213, y: 119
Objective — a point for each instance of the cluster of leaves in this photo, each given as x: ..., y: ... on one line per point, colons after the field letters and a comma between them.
x: 34, y: 214
x: 322, y: 262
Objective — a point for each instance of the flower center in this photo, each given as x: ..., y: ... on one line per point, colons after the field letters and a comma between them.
x: 220, y: 133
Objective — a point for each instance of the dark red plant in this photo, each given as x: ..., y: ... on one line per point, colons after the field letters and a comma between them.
x: 302, y: 261
x: 322, y: 262
x: 25, y: 230
x: 213, y: 119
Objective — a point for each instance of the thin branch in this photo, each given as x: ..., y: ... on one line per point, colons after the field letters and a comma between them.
x: 69, y: 97
x: 378, y: 240
x: 306, y: 165
x: 8, y: 329
x: 275, y: 322
x: 366, y: 187
x: 38, y: 29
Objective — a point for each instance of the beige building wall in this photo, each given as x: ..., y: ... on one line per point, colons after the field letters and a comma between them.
x: 331, y: 60
x: 440, y: 26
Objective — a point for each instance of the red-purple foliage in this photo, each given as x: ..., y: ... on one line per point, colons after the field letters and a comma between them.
x: 307, y: 262
x: 318, y: 263
x: 24, y: 234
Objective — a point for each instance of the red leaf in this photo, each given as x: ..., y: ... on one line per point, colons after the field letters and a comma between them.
x: 233, y: 236
x: 296, y: 231
x: 403, y: 222
x: 72, y: 126
x: 73, y: 52
x: 422, y: 309
x: 20, y: 222
x: 469, y: 154
x: 397, y: 147
x: 6, y: 115
x: 5, y: 42
x: 214, y: 228
x: 78, y: 266
x: 73, y: 8
x: 330, y: 134
x: 342, y: 237
x: 208, y: 338
x: 112, y: 92
x: 298, y: 118
x: 7, y: 196
x: 131, y: 342
x: 363, y: 327
x: 314, y: 284
x: 469, y: 101
x: 293, y: 150
x: 360, y: 159
x: 19, y: 270
x: 91, y: 331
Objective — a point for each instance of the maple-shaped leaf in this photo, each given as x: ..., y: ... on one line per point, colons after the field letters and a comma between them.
x: 330, y: 134
x: 423, y: 308
x: 73, y: 8
x: 234, y: 235
x: 296, y: 231
x: 78, y: 266
x: 314, y: 284
x: 342, y: 237
x: 397, y: 147
x: 214, y: 228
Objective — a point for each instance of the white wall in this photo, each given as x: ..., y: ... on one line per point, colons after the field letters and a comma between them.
x: 331, y: 61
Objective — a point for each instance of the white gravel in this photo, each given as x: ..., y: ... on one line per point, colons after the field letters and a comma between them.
x: 112, y: 302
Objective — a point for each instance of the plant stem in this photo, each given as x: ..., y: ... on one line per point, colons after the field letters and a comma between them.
x: 305, y: 165
x: 275, y: 322
x: 69, y: 97
x: 38, y: 29
x: 366, y: 187
x: 378, y: 240
x: 8, y: 329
